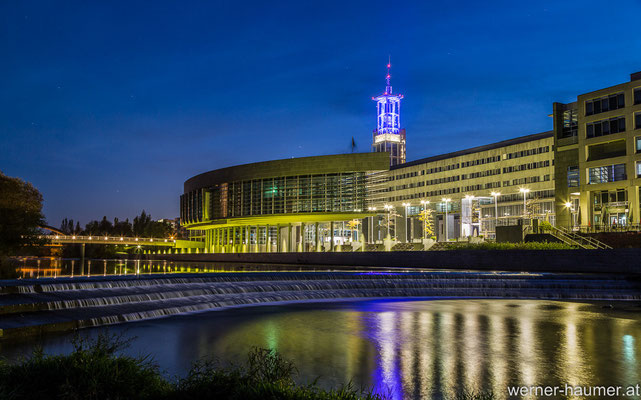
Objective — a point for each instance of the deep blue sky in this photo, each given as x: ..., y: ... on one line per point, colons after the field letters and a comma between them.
x: 108, y: 107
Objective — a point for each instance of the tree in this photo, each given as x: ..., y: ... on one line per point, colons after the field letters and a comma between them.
x: 428, y: 220
x: 20, y: 214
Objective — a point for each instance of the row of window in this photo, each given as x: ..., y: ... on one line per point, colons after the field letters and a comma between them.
x: 605, y: 197
x: 524, y: 181
x: 525, y: 167
x: 605, y: 127
x: 445, y: 179
x: 529, y: 152
x: 410, y: 185
x: 441, y: 169
x: 637, y: 95
x: 480, y: 174
x: 512, y: 197
x: 605, y: 103
x: 481, y: 161
x: 408, y: 175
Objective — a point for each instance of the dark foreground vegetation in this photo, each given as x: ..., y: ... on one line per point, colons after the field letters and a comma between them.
x: 96, y: 369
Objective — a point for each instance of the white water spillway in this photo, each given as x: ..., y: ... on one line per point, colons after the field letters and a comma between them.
x: 44, y: 305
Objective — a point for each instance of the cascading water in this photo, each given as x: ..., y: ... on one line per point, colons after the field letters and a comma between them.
x: 64, y: 303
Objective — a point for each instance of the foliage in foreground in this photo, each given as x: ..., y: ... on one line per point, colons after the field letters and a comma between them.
x: 96, y: 369
x: 511, y: 246
x: 93, y: 370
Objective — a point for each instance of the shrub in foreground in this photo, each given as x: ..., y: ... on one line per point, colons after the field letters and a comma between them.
x: 93, y: 370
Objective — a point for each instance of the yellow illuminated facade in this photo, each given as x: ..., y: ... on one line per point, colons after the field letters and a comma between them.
x: 585, y: 173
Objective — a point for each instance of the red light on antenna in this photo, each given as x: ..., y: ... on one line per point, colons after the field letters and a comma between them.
x: 388, y: 75
x: 389, y: 65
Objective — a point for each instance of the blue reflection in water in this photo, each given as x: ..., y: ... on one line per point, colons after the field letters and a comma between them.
x: 387, y: 373
x: 628, y: 349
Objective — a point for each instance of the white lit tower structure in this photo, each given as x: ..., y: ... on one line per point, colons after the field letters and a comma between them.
x: 388, y: 135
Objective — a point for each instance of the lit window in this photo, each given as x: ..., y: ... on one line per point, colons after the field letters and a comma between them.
x: 573, y: 176
x: 609, y: 173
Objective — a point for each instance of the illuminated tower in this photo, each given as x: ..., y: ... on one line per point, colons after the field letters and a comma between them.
x: 388, y: 135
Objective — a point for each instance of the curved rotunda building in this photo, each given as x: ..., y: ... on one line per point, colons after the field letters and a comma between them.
x: 299, y: 204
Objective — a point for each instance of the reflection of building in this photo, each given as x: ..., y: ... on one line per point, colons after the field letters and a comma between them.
x: 598, y: 157
x: 584, y: 172
x: 388, y: 135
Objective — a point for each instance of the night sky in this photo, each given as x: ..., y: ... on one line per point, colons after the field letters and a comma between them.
x: 108, y: 107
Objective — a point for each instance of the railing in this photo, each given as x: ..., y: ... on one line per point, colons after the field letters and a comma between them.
x: 609, y: 228
x: 585, y: 242
x: 108, y: 240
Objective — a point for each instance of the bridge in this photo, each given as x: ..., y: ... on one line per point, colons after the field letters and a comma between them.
x: 58, y: 238
x: 128, y: 241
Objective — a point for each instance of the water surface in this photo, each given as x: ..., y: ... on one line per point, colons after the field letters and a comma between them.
x: 411, y: 349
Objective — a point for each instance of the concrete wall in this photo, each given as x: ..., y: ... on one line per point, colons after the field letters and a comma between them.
x: 618, y: 261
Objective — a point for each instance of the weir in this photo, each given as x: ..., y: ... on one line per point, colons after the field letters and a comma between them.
x: 45, y: 305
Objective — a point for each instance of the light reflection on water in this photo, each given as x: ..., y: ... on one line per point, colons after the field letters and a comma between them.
x: 409, y: 349
x: 59, y: 267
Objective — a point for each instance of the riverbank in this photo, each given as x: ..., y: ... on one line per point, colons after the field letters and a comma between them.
x: 616, y: 261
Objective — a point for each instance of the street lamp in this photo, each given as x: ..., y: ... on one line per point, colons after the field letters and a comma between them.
x: 568, y: 205
x: 525, y: 191
x: 446, y: 200
x: 424, y: 203
x: 406, y: 205
x: 468, y: 197
x: 388, y: 208
x: 496, y: 210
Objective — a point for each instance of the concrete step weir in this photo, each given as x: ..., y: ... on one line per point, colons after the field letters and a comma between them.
x: 45, y: 305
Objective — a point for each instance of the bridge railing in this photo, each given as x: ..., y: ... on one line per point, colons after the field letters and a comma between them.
x: 106, y: 239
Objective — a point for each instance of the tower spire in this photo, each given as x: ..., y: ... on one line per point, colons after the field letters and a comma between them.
x: 388, y: 88
x: 388, y: 135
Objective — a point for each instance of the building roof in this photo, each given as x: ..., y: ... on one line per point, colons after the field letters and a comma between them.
x: 330, y: 164
x: 492, y: 146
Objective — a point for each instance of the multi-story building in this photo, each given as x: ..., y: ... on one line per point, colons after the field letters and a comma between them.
x: 585, y: 173
x: 513, y: 172
x: 598, y: 157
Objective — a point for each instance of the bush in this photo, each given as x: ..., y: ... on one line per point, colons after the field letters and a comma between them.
x: 266, y: 375
x: 92, y: 370
x: 545, y: 226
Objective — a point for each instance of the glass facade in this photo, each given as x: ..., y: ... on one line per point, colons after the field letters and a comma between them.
x: 339, y: 192
x: 609, y: 173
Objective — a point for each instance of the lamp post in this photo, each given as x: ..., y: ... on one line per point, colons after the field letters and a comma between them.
x: 525, y: 191
x: 469, y: 198
x: 388, y: 208
x: 496, y: 210
x: 371, y: 224
x: 406, y: 205
x: 424, y: 203
x: 568, y: 205
x: 446, y: 200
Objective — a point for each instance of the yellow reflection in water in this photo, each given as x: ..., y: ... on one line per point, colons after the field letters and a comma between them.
x: 430, y: 349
